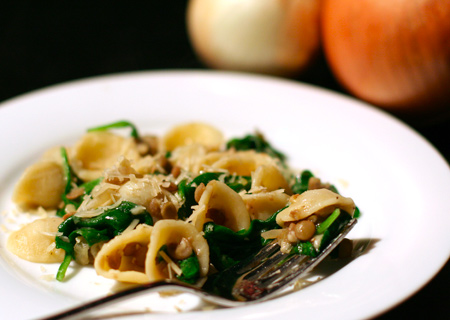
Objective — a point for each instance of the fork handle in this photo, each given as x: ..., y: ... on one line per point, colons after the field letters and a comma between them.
x: 80, y: 311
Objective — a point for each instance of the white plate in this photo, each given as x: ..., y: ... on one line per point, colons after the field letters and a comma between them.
x: 396, y: 178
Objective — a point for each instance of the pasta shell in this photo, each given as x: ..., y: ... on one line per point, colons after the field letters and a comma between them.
x: 264, y: 204
x: 189, y: 158
x: 222, y: 205
x: 241, y: 163
x: 35, y: 242
x: 124, y: 257
x: 41, y: 185
x: 193, y: 133
x: 53, y: 154
x: 169, y: 233
x: 321, y: 202
x: 269, y: 178
x: 96, y: 151
x: 141, y: 191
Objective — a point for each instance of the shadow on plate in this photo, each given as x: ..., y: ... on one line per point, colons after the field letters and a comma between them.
x: 330, y: 266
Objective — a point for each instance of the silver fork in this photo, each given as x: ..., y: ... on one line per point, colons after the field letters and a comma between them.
x: 259, y: 278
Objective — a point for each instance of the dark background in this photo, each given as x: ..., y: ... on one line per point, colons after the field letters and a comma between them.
x: 45, y: 43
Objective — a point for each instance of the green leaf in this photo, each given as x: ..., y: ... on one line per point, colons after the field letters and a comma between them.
x: 118, y: 125
x: 68, y: 174
x: 255, y: 142
x: 190, y: 269
x: 103, y: 227
x: 305, y: 248
x: 90, y: 185
x: 60, y: 275
x: 71, y: 181
x: 301, y: 182
x: 65, y: 244
x: 328, y: 221
x: 238, y: 183
x: 228, y: 247
x: 91, y: 235
x: 334, y: 229
x: 115, y: 220
x: 357, y: 213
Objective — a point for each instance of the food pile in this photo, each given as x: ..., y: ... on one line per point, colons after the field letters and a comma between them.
x: 186, y: 205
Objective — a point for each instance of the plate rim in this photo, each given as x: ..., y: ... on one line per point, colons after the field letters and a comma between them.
x: 38, y: 93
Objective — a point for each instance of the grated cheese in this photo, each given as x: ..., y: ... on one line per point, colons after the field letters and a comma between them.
x: 170, y: 263
x: 271, y: 234
x: 137, y: 210
x: 132, y: 225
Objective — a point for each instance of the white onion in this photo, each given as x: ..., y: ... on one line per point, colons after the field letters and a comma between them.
x: 279, y: 37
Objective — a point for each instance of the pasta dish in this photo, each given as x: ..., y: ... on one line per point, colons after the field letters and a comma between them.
x: 185, y: 205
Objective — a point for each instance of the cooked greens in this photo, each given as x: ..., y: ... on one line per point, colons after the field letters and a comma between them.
x: 102, y: 227
x: 255, y: 142
x: 118, y: 125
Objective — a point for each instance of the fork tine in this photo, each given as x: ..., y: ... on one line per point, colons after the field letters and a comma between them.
x: 289, y: 267
x: 270, y: 276
x: 264, y: 267
x: 255, y: 260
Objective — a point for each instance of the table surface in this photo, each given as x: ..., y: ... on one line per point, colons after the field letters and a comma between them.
x: 42, y: 45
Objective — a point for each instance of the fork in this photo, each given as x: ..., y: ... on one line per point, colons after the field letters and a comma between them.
x: 261, y: 277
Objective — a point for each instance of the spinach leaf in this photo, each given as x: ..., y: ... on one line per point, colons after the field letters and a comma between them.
x: 190, y: 268
x: 305, y: 248
x: 90, y: 185
x: 228, y: 247
x: 255, y: 142
x: 323, y: 226
x: 222, y: 282
x: 118, y: 125
x: 238, y: 183
x: 103, y: 227
x: 63, y: 267
x: 73, y: 181
x: 334, y: 229
x: 114, y: 220
x: 70, y: 179
x: 301, y: 182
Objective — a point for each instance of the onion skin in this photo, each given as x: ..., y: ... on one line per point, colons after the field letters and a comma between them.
x: 394, y: 54
x: 277, y: 37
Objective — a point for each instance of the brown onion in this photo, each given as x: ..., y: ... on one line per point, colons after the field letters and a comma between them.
x: 394, y: 54
x: 279, y: 37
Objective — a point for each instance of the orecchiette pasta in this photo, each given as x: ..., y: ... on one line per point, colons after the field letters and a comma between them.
x: 124, y: 257
x: 181, y: 240
x: 269, y: 178
x: 41, y: 185
x: 189, y: 158
x: 96, y: 151
x: 319, y: 202
x: 193, y: 133
x: 262, y: 205
x: 182, y: 206
x: 220, y: 204
x: 241, y: 163
x: 35, y: 242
